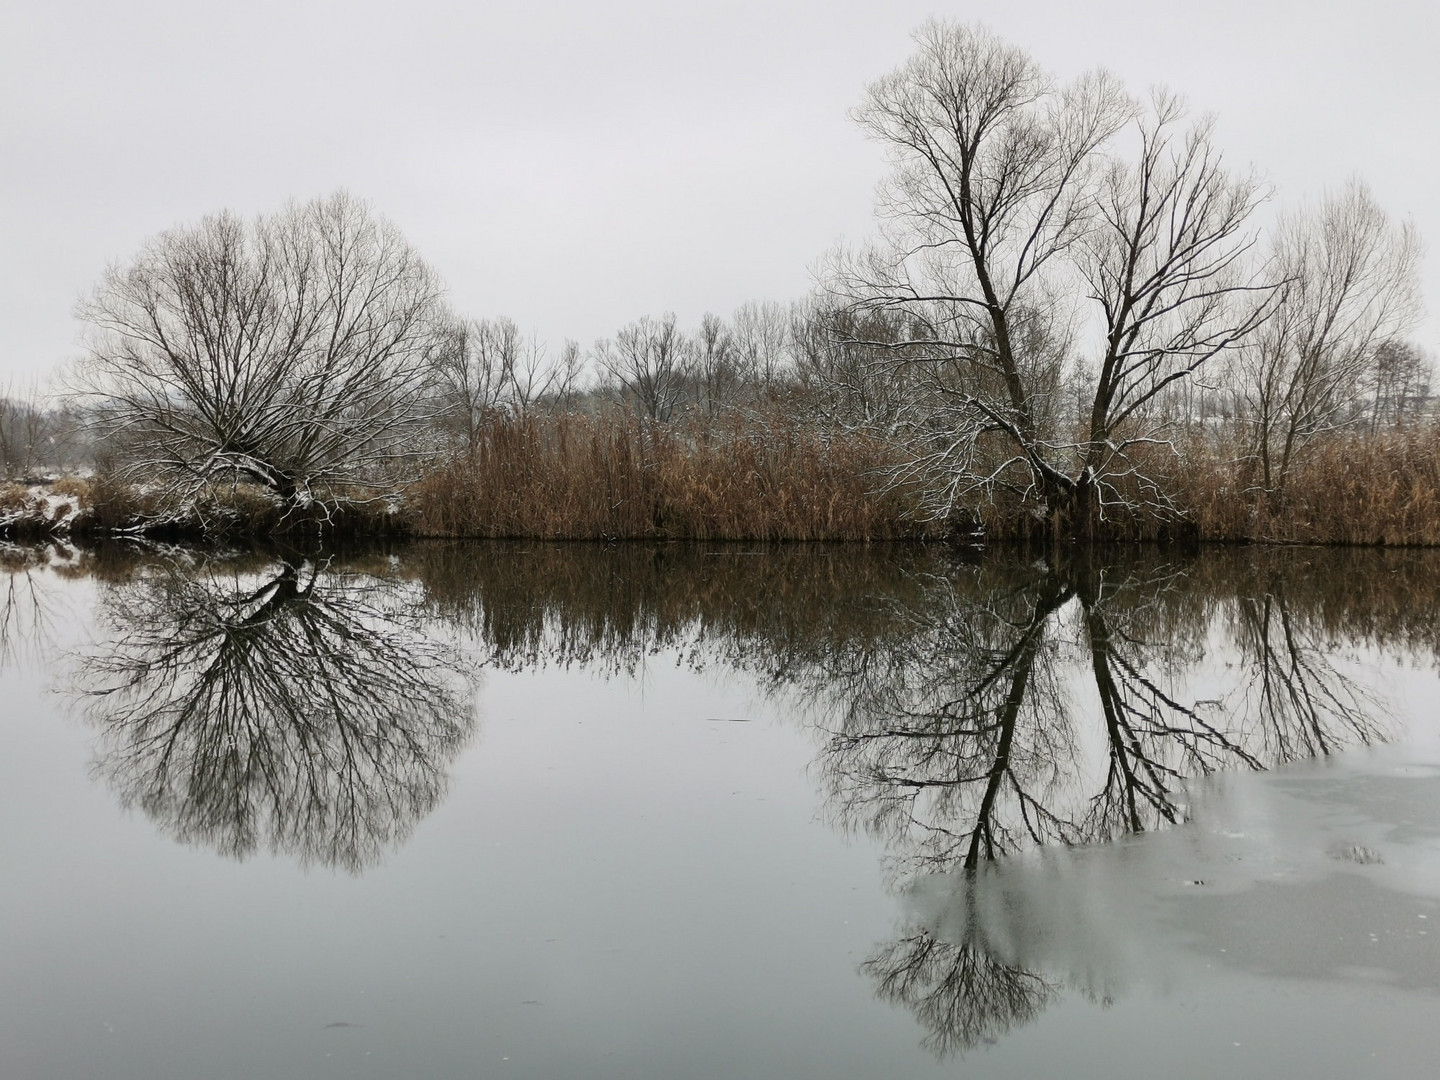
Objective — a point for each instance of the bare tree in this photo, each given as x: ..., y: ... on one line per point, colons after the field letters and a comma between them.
x: 715, y: 369
x: 761, y: 340
x: 1399, y: 384
x: 295, y: 352
x: 1008, y: 210
x: 1165, y: 264
x: 1350, y: 286
x: 20, y: 417
x: 36, y: 432
x: 531, y: 377
x: 648, y: 358
x: 563, y: 388
x: 487, y: 369
x: 833, y: 348
x: 471, y: 365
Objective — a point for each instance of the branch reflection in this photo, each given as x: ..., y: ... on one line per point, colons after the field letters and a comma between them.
x: 959, y: 991
x: 1048, y: 706
x: 27, y: 603
x: 296, y: 706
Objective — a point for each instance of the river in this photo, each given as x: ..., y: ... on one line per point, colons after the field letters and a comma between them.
x: 527, y: 810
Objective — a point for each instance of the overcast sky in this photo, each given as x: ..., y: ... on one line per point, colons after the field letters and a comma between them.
x: 576, y: 165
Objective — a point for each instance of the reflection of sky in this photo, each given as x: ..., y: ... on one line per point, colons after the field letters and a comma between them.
x: 1317, y: 872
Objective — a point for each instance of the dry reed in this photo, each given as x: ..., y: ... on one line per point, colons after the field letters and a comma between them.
x: 617, y: 477
x: 1347, y: 488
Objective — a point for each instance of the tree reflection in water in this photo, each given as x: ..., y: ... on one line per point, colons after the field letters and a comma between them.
x: 1049, y: 707
x: 959, y: 991
x: 974, y: 711
x: 26, y: 598
x: 970, y: 712
x: 294, y: 706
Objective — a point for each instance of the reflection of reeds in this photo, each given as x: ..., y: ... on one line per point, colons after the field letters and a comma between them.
x: 792, y: 601
x: 577, y: 477
x: 575, y: 603
x: 815, y: 597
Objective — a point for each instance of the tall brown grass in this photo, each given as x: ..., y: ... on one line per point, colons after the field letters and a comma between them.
x: 1345, y: 488
x: 617, y: 477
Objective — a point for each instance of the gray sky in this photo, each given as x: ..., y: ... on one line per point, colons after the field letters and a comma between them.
x: 576, y: 165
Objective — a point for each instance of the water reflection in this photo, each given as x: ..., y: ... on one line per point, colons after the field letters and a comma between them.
x: 1070, y: 706
x: 1304, y: 706
x: 972, y: 745
x: 609, y: 609
x: 1322, y: 890
x: 296, y: 706
x: 1040, y: 705
x: 976, y: 711
x: 1024, y: 738
x: 959, y: 990
x: 27, y: 598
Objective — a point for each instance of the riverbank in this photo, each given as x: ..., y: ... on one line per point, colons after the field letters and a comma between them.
x: 615, y: 478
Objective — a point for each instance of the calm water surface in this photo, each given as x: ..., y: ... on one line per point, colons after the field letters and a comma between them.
x: 548, y: 811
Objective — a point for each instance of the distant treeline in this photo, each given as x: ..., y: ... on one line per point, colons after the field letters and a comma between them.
x: 777, y: 426
x: 766, y: 426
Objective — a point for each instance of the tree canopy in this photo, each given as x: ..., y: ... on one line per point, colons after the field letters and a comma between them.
x: 293, y: 351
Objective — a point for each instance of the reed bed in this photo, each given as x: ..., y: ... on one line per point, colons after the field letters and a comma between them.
x: 619, y: 477
x: 1347, y: 488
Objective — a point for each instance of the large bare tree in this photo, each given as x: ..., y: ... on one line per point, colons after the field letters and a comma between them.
x: 294, y: 351
x: 1022, y: 215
